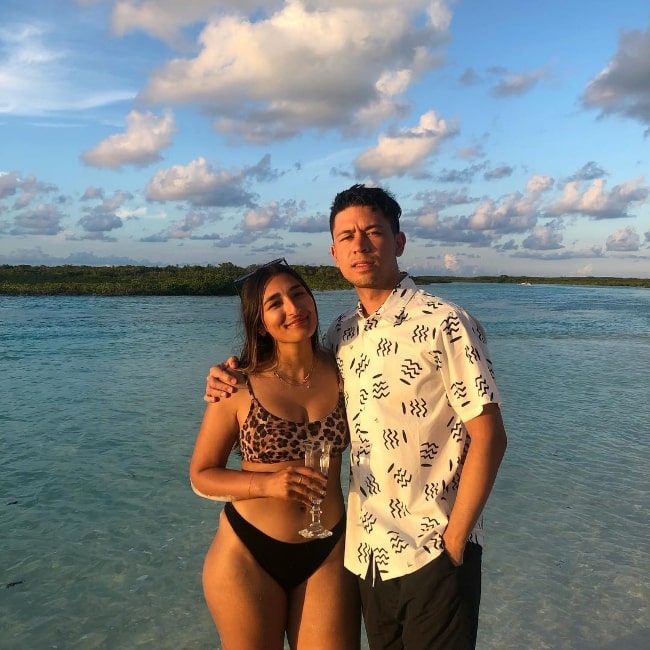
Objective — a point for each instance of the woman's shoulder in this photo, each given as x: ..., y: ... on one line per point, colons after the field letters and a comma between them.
x: 242, y: 378
x: 239, y: 398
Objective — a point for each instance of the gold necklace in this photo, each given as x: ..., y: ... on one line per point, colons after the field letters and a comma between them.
x: 292, y: 382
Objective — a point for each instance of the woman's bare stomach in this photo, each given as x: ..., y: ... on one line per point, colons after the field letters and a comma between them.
x: 283, y: 518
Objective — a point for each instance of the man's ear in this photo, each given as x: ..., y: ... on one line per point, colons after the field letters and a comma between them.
x: 400, y: 243
x: 333, y: 254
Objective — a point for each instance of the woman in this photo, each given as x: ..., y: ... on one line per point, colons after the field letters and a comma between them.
x: 261, y: 578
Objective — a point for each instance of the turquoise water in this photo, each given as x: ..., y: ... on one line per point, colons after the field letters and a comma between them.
x: 103, y: 541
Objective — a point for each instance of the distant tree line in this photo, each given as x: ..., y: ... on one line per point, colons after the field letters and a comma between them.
x: 210, y: 280
x: 520, y: 279
x: 145, y: 280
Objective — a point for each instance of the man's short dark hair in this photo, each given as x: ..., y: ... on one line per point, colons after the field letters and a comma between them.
x: 376, y: 198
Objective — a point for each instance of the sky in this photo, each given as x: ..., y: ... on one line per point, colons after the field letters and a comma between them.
x: 515, y: 135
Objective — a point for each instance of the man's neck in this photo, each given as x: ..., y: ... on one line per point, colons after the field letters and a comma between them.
x: 372, y: 299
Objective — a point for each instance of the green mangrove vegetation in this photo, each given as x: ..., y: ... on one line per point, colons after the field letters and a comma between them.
x: 144, y: 280
x: 212, y: 280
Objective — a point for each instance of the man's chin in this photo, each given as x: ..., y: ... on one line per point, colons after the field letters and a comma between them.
x: 363, y: 281
x: 359, y: 278
x: 370, y: 279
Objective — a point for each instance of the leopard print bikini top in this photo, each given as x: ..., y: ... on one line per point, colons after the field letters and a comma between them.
x: 267, y: 438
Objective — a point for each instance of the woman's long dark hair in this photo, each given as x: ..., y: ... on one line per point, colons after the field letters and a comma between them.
x: 259, y: 351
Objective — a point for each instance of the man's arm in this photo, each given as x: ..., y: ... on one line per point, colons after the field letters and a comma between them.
x: 222, y: 380
x: 487, y: 447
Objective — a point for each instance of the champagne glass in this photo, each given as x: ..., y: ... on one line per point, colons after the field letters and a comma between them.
x: 317, y: 456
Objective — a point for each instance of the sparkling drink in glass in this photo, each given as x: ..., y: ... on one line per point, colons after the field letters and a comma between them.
x: 317, y: 456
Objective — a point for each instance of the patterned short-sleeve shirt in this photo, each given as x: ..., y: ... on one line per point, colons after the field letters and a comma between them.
x: 414, y: 371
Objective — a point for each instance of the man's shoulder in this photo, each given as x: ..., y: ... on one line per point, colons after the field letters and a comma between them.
x: 447, y: 313
x: 430, y: 302
x: 350, y: 314
x: 338, y: 325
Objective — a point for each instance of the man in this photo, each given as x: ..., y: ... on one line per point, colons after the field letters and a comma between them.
x: 427, y: 437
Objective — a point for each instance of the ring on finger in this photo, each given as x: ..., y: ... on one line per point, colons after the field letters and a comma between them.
x: 300, y: 480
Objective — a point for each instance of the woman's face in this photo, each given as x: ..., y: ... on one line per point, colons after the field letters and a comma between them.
x: 288, y: 311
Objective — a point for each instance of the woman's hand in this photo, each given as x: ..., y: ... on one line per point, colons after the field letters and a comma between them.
x: 293, y: 483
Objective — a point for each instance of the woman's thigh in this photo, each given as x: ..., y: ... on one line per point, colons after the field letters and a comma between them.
x: 325, y: 612
x: 248, y: 607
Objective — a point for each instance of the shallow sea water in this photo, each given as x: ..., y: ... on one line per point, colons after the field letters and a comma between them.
x: 103, y: 541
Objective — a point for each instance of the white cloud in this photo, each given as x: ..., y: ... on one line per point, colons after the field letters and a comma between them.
x: 9, y: 184
x: 25, y: 64
x: 199, y: 183
x: 27, y: 188
x: 146, y: 135
x: 516, y: 213
x: 102, y: 218
x: 561, y: 253
x: 263, y: 218
x: 407, y: 151
x: 428, y: 220
x: 192, y: 221
x: 92, y: 193
x: 38, y: 78
x: 308, y: 65
x: 452, y: 263
x: 311, y: 225
x: 164, y: 19
x: 518, y: 83
x: 538, y: 184
x: 623, y: 86
x: 131, y: 213
x: 543, y: 238
x: 594, y: 200
x: 470, y: 152
x: 44, y: 219
x: 625, y: 239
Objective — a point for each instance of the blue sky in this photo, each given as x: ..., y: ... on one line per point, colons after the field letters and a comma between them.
x: 515, y: 135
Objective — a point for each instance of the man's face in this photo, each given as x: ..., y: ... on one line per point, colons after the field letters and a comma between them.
x: 365, y: 249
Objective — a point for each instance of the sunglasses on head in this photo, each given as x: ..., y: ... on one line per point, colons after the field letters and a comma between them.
x: 239, y: 282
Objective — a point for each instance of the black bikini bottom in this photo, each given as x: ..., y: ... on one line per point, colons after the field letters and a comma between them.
x: 287, y: 563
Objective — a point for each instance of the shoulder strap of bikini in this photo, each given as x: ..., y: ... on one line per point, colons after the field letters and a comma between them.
x: 249, y: 385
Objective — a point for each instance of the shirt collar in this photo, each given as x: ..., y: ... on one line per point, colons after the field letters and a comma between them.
x: 393, y: 307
